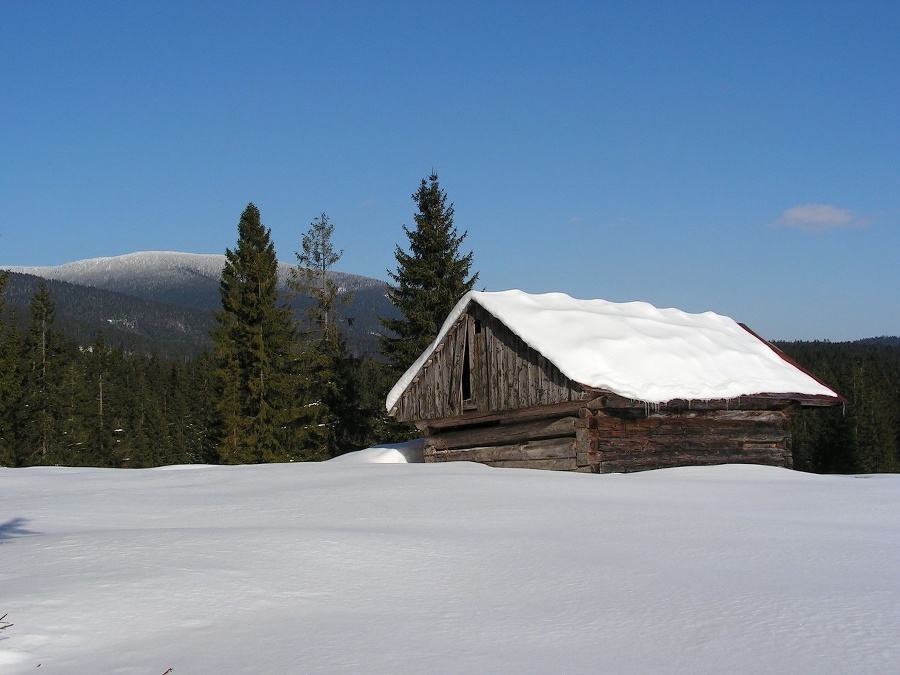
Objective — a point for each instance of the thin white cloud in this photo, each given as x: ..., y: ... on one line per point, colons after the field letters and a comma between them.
x: 819, y: 218
x: 619, y: 222
x: 575, y: 220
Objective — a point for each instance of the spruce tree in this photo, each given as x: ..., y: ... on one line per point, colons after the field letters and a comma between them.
x: 38, y: 408
x: 430, y: 278
x: 332, y: 419
x: 100, y: 445
x: 9, y: 379
x: 253, y: 339
x: 311, y: 276
x: 76, y: 404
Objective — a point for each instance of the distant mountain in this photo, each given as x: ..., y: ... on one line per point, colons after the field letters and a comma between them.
x: 165, y: 300
x: 134, y: 324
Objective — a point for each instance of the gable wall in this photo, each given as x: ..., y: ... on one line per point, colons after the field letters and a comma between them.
x: 505, y: 374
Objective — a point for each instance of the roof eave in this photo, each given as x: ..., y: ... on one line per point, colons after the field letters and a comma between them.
x: 756, y: 400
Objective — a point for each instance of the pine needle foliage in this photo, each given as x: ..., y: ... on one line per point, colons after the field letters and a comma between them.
x: 10, y: 376
x: 253, y: 342
x: 430, y: 278
x: 316, y: 259
x: 39, y: 407
x: 329, y: 384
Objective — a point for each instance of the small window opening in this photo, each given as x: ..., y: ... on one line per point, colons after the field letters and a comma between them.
x: 466, y: 374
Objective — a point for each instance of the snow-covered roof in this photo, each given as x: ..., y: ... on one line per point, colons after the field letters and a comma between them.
x: 636, y: 350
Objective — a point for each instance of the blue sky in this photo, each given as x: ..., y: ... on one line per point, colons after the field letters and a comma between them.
x: 739, y: 157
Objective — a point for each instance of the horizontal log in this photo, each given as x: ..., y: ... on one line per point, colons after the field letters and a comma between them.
x: 533, y: 450
x: 719, y: 417
x: 695, y: 445
x: 694, y: 435
x: 750, y: 446
x: 504, y: 434
x: 688, y: 455
x: 630, y: 461
x: 536, y: 412
x: 547, y: 464
x: 650, y: 463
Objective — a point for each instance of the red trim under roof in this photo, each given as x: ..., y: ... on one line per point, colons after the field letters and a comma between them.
x: 837, y: 399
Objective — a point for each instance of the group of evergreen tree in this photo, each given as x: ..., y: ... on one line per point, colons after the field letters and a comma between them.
x: 62, y: 403
x: 287, y: 389
x: 864, y: 435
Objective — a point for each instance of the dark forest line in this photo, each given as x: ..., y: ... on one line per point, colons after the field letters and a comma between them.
x: 862, y: 436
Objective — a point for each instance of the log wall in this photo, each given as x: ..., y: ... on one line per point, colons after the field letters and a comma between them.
x: 530, y: 444
x: 609, y: 441
x: 616, y: 441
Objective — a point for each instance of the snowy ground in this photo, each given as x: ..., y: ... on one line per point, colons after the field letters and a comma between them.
x: 352, y: 566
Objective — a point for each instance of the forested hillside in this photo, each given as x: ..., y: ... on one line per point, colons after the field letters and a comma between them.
x: 864, y: 436
x: 130, y: 323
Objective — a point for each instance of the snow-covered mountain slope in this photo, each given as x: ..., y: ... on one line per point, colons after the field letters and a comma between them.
x: 101, y: 272
x: 179, y: 282
x: 189, y: 279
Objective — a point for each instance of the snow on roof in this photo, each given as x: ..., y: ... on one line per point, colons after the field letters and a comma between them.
x: 636, y: 350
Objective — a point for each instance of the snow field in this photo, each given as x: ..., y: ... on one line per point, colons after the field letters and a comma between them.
x: 350, y: 566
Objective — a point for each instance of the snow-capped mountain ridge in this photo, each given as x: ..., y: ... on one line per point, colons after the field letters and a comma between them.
x: 160, y: 269
x: 168, y: 288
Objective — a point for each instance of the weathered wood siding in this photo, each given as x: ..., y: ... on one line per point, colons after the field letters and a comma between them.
x: 530, y: 444
x: 609, y: 441
x: 612, y: 441
x: 482, y: 366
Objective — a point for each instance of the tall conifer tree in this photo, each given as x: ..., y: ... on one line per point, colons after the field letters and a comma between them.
x: 430, y: 278
x: 253, y: 341
x: 38, y: 408
x: 9, y: 378
x: 333, y: 417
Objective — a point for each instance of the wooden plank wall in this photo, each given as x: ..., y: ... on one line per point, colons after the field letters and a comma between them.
x: 506, y: 374
x: 436, y: 390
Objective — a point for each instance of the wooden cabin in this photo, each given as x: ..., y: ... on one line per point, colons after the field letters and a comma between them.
x: 551, y: 382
